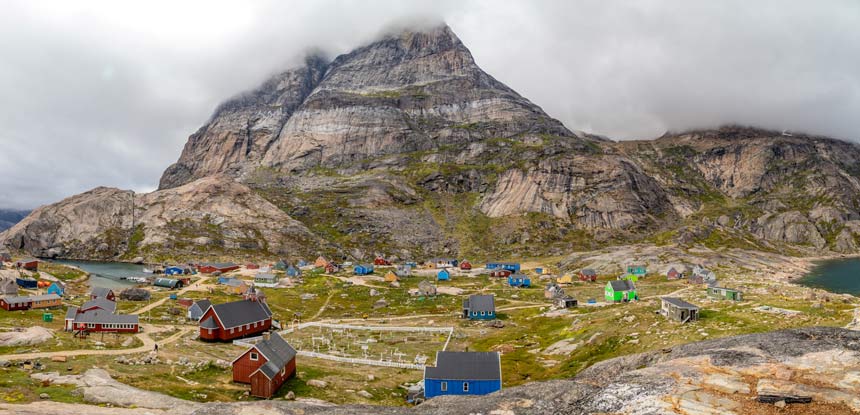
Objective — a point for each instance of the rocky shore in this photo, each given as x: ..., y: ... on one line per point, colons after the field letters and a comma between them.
x: 749, y: 374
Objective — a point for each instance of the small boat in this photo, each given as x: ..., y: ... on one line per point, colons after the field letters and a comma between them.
x: 147, y: 271
x: 138, y: 279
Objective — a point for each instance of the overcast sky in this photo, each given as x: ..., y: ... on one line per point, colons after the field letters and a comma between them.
x: 106, y: 92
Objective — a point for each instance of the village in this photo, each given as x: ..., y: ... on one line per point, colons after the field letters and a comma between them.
x: 387, y: 331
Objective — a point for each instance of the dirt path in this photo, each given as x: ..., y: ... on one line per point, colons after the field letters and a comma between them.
x: 671, y: 294
x: 192, y: 286
x: 148, y: 345
x: 323, y: 307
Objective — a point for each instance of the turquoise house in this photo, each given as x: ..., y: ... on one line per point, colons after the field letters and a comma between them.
x: 443, y: 275
x: 56, y: 288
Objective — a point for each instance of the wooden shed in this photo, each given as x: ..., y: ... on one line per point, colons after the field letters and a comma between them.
x: 679, y: 310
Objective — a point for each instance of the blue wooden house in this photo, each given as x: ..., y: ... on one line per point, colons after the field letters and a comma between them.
x: 443, y: 275
x: 302, y: 263
x: 363, y: 269
x: 56, y: 288
x: 223, y: 279
x: 638, y: 270
x: 519, y: 280
x: 480, y: 307
x: 293, y: 271
x: 463, y: 373
x: 25, y: 282
x: 510, y: 266
x: 539, y: 271
x: 173, y: 270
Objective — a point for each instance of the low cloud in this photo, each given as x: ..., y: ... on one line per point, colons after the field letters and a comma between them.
x: 106, y: 93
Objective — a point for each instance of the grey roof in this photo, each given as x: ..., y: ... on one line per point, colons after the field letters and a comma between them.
x: 519, y: 275
x: 234, y: 282
x: 278, y: 353
x: 677, y: 302
x: 717, y: 287
x: 622, y: 285
x: 265, y: 276
x: 480, y: 303
x: 44, y: 297
x: 102, y: 303
x: 465, y: 366
x: 241, y: 312
x: 100, y: 292
x: 17, y: 300
x: 588, y: 271
x: 101, y: 316
x: 203, y: 305
x: 71, y: 312
x: 209, y: 323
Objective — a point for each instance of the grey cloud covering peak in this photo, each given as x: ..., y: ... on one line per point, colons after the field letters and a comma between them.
x: 106, y: 93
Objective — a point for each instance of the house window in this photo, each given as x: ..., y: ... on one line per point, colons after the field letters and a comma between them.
x: 231, y: 331
x: 465, y: 386
x: 443, y: 386
x: 254, y: 356
x: 482, y: 313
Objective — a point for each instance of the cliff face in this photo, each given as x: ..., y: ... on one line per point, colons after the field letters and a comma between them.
x: 406, y: 147
x: 407, y: 92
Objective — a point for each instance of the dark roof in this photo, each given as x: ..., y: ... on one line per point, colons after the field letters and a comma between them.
x: 209, y: 323
x: 101, y: 316
x: 28, y: 260
x: 100, y: 292
x: 219, y: 264
x: 588, y: 271
x: 677, y: 302
x: 203, y: 304
x: 465, y: 366
x: 102, y: 303
x: 233, y: 282
x: 278, y: 353
x: 519, y: 275
x: 71, y: 312
x: 503, y: 263
x: 480, y: 303
x: 241, y: 312
x: 622, y: 285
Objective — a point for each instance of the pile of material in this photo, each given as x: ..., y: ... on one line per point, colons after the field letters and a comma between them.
x: 134, y: 294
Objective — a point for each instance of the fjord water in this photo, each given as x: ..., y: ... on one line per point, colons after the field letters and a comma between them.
x: 838, y: 276
x: 107, y: 274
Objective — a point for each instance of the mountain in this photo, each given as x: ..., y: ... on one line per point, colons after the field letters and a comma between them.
x: 9, y: 217
x: 405, y: 147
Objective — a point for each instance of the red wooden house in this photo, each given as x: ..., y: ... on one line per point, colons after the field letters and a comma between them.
x: 102, y: 292
x: 265, y: 365
x: 381, y: 261
x: 221, y: 267
x: 98, y: 304
x: 16, y: 303
x: 587, y: 274
x: 465, y: 265
x: 674, y: 274
x: 331, y: 268
x: 500, y: 273
x: 236, y: 319
x: 251, y: 265
x: 30, y: 264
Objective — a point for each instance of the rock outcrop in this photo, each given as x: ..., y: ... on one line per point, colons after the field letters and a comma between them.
x: 721, y: 376
x: 108, y: 222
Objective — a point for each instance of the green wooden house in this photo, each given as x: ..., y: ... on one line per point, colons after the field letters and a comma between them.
x: 629, y: 277
x: 723, y: 293
x: 638, y: 270
x: 620, y: 291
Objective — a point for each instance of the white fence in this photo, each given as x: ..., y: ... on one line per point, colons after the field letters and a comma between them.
x: 247, y: 342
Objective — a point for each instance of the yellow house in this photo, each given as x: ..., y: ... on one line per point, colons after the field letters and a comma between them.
x: 565, y: 279
x: 391, y: 277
